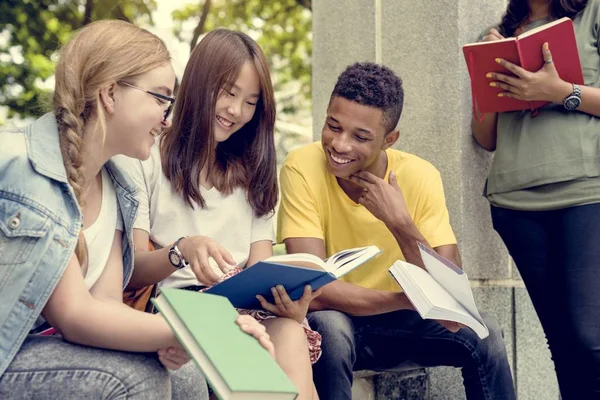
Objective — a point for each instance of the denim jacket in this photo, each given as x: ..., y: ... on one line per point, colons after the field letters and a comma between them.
x: 40, y: 221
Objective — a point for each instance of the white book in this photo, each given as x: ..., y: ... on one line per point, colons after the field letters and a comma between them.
x: 440, y: 291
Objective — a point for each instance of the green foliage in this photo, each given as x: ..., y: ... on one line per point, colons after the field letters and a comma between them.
x: 283, y: 29
x: 31, y: 32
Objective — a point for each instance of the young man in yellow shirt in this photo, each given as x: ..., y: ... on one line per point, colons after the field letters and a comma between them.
x: 352, y: 190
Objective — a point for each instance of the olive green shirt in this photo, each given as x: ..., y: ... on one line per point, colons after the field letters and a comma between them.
x: 551, y: 160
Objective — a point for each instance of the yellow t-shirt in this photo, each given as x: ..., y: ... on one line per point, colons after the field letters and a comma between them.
x: 313, y: 205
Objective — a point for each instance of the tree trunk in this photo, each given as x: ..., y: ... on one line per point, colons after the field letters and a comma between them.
x: 200, y: 28
x: 87, y: 15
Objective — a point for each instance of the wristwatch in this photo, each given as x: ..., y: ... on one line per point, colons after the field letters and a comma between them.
x: 175, y: 256
x: 573, y: 101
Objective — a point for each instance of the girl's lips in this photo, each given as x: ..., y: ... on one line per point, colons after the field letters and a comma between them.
x: 225, y: 123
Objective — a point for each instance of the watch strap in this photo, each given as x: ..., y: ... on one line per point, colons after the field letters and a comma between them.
x: 174, y: 248
x: 573, y: 100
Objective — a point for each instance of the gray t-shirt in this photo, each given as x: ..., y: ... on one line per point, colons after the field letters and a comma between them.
x: 544, y: 160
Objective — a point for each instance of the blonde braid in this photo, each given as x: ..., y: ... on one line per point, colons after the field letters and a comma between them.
x: 70, y: 129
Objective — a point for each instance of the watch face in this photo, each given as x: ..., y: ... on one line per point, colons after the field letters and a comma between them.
x: 572, y: 102
x: 174, y: 258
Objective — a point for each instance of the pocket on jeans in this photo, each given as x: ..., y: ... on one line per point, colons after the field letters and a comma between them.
x: 20, y: 229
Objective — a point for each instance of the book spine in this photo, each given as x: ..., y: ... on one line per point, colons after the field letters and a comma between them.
x: 472, y: 76
x: 322, y: 281
x: 316, y: 283
x: 522, y: 64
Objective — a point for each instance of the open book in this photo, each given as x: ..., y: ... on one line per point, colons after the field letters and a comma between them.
x: 440, y: 291
x: 293, y: 271
x: 234, y: 363
x: 524, y: 50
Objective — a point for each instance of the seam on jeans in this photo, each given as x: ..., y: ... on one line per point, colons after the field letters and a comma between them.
x: 46, y: 371
x: 474, y: 355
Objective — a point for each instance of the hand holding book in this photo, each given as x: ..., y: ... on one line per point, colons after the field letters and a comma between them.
x: 286, y: 307
x: 198, y: 251
x: 450, y: 325
x: 219, y: 341
x: 173, y: 357
x: 492, y: 36
x: 440, y: 291
x: 291, y: 271
x: 527, y: 81
x: 542, y: 85
x: 257, y: 330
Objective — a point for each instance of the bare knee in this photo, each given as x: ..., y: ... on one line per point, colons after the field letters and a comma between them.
x: 284, y: 326
x: 285, y: 332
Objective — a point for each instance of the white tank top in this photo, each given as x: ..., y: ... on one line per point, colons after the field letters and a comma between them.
x: 99, y: 236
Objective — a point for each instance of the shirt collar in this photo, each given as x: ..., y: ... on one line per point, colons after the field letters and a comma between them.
x: 44, y: 148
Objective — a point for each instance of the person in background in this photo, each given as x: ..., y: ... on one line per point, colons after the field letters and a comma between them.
x: 544, y: 187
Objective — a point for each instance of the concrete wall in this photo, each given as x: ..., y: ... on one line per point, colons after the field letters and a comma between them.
x: 421, y: 41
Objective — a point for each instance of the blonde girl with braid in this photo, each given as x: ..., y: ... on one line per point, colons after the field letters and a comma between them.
x: 66, y: 239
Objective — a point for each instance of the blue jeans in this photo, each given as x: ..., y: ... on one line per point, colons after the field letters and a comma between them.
x: 403, y: 339
x: 50, y: 368
x: 558, y: 255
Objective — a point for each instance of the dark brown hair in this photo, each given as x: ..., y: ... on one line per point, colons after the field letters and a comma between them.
x: 245, y: 159
x: 518, y: 11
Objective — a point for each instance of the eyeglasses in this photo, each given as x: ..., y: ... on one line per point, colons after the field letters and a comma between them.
x: 158, y: 96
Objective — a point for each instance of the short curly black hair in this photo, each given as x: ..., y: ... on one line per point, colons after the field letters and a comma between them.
x: 373, y: 85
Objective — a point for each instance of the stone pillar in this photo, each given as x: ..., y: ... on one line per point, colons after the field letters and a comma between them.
x: 421, y: 41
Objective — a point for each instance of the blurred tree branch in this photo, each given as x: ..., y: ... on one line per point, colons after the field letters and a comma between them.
x: 200, y: 27
x: 34, y: 30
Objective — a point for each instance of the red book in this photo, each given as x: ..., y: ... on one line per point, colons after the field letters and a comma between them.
x: 524, y: 50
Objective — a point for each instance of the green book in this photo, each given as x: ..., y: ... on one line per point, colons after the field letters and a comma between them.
x: 234, y: 363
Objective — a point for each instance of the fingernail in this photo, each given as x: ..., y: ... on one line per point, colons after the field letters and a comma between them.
x: 500, y: 95
x: 280, y: 288
x: 498, y: 60
x: 488, y: 75
x: 546, y: 46
x: 493, y: 84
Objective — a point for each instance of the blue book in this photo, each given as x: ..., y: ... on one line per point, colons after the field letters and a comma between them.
x: 293, y: 271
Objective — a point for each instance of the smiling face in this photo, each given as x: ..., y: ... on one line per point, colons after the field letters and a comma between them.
x: 138, y: 116
x: 236, y: 105
x: 353, y: 138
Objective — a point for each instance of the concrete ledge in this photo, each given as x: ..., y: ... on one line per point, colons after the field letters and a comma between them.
x: 405, y: 384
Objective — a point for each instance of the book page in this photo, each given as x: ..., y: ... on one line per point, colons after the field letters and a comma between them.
x: 452, y: 278
x: 304, y: 260
x: 431, y: 299
x: 415, y: 280
x: 510, y: 39
x: 345, y: 261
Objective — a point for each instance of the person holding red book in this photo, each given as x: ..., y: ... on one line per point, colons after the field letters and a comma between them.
x: 544, y: 187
